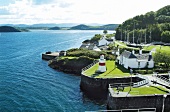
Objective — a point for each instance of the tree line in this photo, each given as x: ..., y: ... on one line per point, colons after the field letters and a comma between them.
x: 150, y: 27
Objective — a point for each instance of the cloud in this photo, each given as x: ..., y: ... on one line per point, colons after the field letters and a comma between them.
x: 76, y: 11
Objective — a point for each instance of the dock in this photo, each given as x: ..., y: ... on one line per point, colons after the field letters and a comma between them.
x: 50, y: 55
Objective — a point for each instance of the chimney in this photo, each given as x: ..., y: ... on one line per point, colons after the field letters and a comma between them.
x: 140, y: 51
x: 133, y: 52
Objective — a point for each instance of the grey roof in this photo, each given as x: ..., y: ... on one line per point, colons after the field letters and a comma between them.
x: 128, y: 54
x: 144, y: 57
x: 90, y: 47
x: 140, y: 57
x: 84, y: 46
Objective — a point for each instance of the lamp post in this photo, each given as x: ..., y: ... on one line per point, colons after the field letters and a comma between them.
x: 131, y: 72
x: 164, y: 96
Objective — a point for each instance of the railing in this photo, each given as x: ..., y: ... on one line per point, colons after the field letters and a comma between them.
x: 89, y: 66
x: 163, y: 79
x: 141, y: 83
x: 113, y: 85
x: 128, y: 110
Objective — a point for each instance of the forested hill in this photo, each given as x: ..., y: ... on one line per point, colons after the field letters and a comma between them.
x: 104, y: 27
x: 155, y: 25
x: 11, y: 29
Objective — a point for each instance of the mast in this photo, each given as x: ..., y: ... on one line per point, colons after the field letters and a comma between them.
x: 128, y: 38
x: 150, y: 36
x: 121, y: 33
x: 125, y: 35
x: 133, y: 32
x: 145, y: 36
x: 133, y: 36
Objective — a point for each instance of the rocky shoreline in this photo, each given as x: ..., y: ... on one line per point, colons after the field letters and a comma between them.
x: 71, y: 66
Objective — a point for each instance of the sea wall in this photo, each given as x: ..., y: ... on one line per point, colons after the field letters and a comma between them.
x: 135, y: 102
x: 97, y: 88
x: 48, y: 57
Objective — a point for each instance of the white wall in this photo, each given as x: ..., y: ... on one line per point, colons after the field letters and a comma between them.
x: 133, y: 63
x: 103, y: 41
x: 151, y: 64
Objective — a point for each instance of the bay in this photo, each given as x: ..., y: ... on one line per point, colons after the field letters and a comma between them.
x: 26, y: 81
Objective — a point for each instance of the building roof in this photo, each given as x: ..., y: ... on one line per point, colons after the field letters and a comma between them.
x: 128, y: 54
x: 84, y: 46
x: 91, y: 46
x: 143, y: 57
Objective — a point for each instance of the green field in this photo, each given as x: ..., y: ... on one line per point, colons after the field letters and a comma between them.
x: 112, y: 71
x: 146, y: 90
x: 158, y: 47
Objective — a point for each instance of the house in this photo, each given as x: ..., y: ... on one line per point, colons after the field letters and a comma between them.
x: 89, y: 46
x: 131, y: 60
x: 104, y: 41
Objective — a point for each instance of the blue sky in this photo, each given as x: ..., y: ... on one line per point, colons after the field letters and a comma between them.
x: 75, y: 11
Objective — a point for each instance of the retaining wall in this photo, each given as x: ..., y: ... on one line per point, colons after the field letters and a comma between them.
x: 97, y: 88
x: 135, y: 102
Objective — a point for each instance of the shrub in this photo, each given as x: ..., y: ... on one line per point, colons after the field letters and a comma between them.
x: 89, y: 53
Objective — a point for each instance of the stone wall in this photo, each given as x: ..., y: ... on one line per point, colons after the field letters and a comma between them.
x: 97, y: 88
x: 135, y: 102
x: 48, y: 57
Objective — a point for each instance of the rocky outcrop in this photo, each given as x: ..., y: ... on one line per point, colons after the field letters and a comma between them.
x: 72, y: 66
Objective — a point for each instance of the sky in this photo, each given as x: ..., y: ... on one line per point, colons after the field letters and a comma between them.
x: 75, y: 11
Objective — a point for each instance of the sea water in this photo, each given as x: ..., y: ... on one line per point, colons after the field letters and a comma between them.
x: 27, y: 83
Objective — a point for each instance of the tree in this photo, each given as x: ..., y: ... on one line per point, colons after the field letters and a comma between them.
x: 162, y: 57
x: 166, y: 36
x: 105, y: 31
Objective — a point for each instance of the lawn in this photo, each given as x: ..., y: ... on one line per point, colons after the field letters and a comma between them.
x: 146, y: 90
x: 69, y: 57
x: 112, y: 71
x: 158, y: 47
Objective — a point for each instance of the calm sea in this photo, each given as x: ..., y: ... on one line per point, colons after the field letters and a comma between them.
x: 26, y: 81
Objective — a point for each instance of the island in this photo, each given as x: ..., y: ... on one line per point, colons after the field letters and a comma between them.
x: 11, y: 29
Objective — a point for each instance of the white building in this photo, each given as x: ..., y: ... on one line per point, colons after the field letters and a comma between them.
x: 103, y: 41
x: 89, y: 46
x: 131, y: 60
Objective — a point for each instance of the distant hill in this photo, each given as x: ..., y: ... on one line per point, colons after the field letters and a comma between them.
x: 8, y: 29
x: 41, y: 25
x: 80, y: 27
x: 86, y: 27
x: 64, y: 26
x: 54, y: 28
x: 155, y: 26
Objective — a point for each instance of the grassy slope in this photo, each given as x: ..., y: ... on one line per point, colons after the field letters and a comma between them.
x: 119, y: 71
x: 146, y: 90
x: 158, y: 47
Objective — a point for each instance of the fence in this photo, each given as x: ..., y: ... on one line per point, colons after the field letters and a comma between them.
x: 89, y: 66
x: 163, y: 79
x: 141, y: 83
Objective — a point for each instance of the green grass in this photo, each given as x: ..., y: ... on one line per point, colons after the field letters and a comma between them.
x: 112, y: 71
x: 158, y: 47
x: 123, y: 45
x: 69, y: 57
x: 146, y: 90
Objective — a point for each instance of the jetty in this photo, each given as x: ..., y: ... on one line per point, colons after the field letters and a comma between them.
x: 50, y: 55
